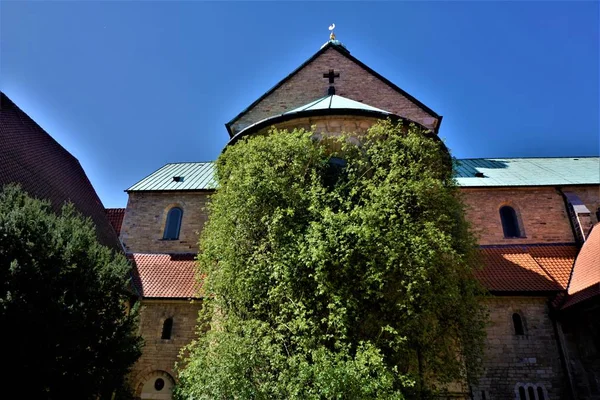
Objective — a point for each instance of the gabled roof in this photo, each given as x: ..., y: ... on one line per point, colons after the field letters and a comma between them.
x: 30, y: 157
x: 115, y: 217
x: 585, y: 279
x: 527, y: 268
x: 178, y: 176
x: 342, y: 50
x: 333, y: 102
x: 165, y: 275
x: 549, y: 171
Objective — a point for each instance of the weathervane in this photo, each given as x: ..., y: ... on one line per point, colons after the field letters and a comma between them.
x: 332, y: 35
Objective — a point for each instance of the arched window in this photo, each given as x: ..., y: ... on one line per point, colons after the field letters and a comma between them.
x: 167, y: 328
x: 173, y: 224
x: 510, y: 223
x: 522, y: 395
x: 531, y: 392
x: 540, y: 392
x: 518, y: 324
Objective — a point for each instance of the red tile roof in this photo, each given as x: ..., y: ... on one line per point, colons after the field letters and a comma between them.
x: 585, y: 280
x: 526, y: 268
x: 31, y: 157
x: 115, y: 217
x: 165, y: 275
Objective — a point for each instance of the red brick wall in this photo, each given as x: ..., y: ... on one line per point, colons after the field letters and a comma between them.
x: 541, y: 210
x: 354, y: 83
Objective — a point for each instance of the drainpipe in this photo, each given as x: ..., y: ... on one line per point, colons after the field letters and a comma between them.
x: 562, y: 349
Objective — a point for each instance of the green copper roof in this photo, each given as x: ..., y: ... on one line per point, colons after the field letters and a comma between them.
x: 335, y: 102
x: 178, y: 176
x: 497, y: 172
x: 528, y: 171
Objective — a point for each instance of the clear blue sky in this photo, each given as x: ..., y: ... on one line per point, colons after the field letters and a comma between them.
x: 129, y: 86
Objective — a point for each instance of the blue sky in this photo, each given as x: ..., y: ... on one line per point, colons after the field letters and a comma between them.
x: 129, y: 86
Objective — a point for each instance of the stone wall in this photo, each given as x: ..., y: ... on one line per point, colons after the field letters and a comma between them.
x: 541, y: 212
x: 145, y: 218
x: 532, y: 359
x: 158, y: 355
x: 581, y: 330
x: 331, y: 125
x: 354, y: 83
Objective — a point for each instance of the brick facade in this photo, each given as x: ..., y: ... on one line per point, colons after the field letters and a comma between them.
x: 529, y: 359
x: 158, y: 354
x: 354, y: 83
x: 541, y: 213
x: 146, y: 215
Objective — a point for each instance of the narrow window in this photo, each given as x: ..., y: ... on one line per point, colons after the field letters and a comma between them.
x: 483, y: 397
x: 531, y: 392
x: 518, y: 323
x: 173, y: 224
x: 510, y: 224
x: 540, y: 393
x: 522, y: 395
x: 167, y: 328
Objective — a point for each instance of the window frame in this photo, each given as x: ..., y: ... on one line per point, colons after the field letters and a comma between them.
x: 169, y: 221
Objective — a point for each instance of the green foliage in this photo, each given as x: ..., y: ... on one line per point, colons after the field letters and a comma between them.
x: 327, y: 282
x: 65, y: 326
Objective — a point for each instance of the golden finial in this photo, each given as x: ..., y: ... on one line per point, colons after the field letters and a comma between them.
x: 332, y: 35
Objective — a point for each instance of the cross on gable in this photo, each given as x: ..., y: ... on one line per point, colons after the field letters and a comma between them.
x: 331, y: 75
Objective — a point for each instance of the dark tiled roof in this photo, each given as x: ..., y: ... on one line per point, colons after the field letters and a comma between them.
x: 585, y: 280
x: 529, y: 268
x: 165, y: 275
x: 31, y: 157
x: 115, y: 217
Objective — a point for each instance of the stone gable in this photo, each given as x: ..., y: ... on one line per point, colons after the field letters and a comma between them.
x: 354, y: 82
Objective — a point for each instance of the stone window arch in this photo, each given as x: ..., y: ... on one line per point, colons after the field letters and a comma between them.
x: 511, y: 221
x: 156, y: 385
x: 530, y: 391
x: 173, y: 223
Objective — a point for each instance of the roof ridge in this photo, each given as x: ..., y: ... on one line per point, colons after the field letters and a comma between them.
x: 346, y: 53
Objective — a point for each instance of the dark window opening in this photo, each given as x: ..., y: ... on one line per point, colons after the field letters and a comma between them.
x: 531, y: 393
x: 483, y: 397
x: 540, y: 394
x: 522, y: 395
x: 510, y: 223
x: 518, y: 324
x: 159, y: 384
x: 167, y: 329
x: 334, y: 171
x: 173, y: 224
x: 598, y: 214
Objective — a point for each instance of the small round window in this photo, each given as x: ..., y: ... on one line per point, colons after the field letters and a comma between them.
x: 159, y: 384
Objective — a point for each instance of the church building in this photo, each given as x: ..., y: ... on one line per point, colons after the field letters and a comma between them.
x: 536, y: 220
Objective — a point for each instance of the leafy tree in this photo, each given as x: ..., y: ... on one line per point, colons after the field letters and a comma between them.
x: 335, y: 270
x: 64, y: 320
